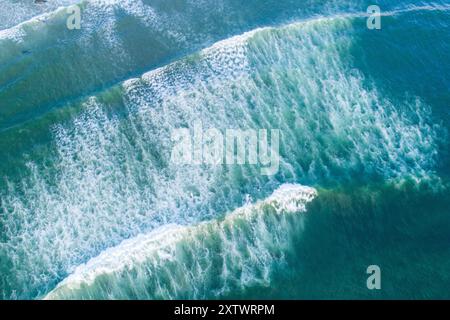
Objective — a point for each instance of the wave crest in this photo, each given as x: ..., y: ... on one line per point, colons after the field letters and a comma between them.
x: 192, y: 261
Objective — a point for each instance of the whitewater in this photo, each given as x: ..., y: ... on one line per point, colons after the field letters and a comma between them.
x: 91, y: 207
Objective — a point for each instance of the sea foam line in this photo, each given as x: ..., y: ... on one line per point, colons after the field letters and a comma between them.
x: 248, y: 225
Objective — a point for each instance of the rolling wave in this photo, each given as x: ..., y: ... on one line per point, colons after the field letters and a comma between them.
x: 107, y: 176
x: 239, y: 250
x: 111, y: 177
x: 120, y: 39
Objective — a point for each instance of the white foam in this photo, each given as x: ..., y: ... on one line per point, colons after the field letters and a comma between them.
x: 110, y: 178
x: 160, y: 246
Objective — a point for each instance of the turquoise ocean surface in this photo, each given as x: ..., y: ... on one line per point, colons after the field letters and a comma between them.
x: 92, y: 207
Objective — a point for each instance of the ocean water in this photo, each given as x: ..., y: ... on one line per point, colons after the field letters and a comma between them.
x: 92, y: 207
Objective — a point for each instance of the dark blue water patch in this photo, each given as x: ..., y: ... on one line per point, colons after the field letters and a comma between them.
x: 409, y: 55
x: 409, y: 59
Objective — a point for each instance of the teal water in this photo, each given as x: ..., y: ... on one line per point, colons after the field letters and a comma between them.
x: 92, y: 207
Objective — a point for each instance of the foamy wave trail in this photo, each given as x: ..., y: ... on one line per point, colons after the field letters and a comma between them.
x: 209, y: 259
x: 104, y: 174
x: 117, y: 38
x: 42, y: 60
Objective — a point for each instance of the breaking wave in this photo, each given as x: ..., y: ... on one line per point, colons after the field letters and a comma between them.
x: 107, y: 177
x: 212, y: 258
